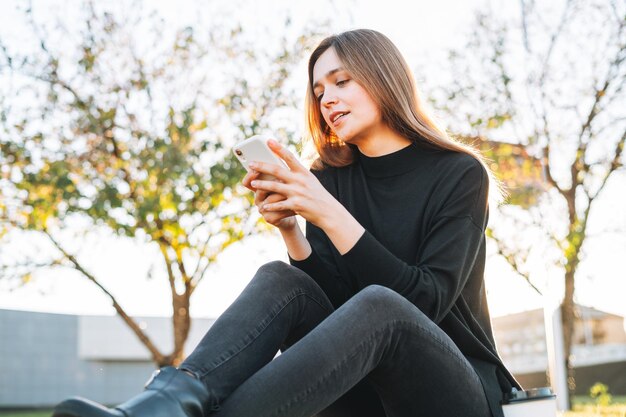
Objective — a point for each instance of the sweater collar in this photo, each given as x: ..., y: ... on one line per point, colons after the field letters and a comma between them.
x: 392, y: 164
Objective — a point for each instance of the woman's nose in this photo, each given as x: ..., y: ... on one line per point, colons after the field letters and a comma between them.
x: 329, y: 99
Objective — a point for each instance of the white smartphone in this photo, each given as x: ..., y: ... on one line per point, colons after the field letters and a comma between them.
x: 256, y: 149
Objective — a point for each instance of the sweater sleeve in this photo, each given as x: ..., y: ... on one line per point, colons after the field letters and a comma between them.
x: 446, y: 256
x: 320, y: 267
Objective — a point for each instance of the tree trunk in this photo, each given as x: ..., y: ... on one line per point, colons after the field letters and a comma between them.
x: 181, y: 322
x: 567, y: 318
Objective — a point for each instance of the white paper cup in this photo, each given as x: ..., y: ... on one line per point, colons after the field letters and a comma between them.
x: 536, y: 402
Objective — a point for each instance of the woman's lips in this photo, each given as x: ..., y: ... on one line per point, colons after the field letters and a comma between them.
x: 337, y: 117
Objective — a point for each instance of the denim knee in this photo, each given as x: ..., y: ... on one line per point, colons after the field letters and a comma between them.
x: 279, y: 267
x: 382, y: 303
x: 280, y: 276
x: 279, y: 270
x: 378, y: 296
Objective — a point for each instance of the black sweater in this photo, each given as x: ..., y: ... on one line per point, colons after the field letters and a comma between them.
x: 424, y: 212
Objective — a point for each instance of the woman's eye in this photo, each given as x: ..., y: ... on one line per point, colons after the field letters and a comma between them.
x: 342, y: 82
x: 319, y: 97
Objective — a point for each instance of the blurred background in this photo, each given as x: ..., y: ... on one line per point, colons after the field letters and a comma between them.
x: 124, y: 229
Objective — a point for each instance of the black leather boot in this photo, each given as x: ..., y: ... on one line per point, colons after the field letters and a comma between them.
x: 169, y: 393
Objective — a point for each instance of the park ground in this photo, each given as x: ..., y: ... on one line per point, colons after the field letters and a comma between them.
x: 583, y: 407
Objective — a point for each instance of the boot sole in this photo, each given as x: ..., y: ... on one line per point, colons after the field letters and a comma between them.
x: 80, y: 407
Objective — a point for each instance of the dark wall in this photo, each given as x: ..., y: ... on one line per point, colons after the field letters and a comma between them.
x: 611, y: 374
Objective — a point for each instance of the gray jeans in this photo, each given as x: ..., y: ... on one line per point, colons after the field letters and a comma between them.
x: 376, y: 355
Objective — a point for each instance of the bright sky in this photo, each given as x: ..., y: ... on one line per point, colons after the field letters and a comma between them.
x: 420, y: 29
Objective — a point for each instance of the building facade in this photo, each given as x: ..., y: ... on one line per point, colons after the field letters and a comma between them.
x: 598, y: 354
x: 45, y: 358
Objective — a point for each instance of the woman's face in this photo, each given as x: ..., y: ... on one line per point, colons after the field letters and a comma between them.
x: 346, y: 107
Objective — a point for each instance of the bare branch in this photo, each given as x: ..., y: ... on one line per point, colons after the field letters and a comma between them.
x: 513, y: 263
x: 612, y: 76
x: 201, y: 252
x: 536, y: 221
x: 619, y: 231
x: 545, y: 162
x: 36, y: 29
x: 553, y: 40
x: 127, y: 319
x: 21, y: 271
x: 615, y: 164
x: 181, y: 266
x: 524, y: 9
x: 62, y: 84
x: 7, y: 57
x: 543, y: 113
x: 611, y: 125
x: 545, y: 68
x: 168, y: 265
x: 201, y: 275
x: 197, y: 278
x: 618, y: 17
x: 580, y: 165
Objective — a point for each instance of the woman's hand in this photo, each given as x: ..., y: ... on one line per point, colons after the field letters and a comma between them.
x: 299, y: 190
x: 284, y: 220
x: 303, y: 194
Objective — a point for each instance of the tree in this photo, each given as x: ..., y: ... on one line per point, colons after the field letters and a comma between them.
x: 549, y: 88
x: 127, y: 126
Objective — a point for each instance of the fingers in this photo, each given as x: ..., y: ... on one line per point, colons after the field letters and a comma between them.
x: 279, y: 172
x: 278, y: 216
x: 270, y: 186
x: 259, y: 197
x: 278, y: 206
x: 285, y: 155
x: 273, y: 217
x: 272, y: 198
x: 250, y: 176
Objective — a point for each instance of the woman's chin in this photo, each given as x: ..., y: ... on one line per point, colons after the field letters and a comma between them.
x: 345, y: 137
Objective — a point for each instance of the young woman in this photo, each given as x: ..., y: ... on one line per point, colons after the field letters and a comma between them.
x: 382, y: 311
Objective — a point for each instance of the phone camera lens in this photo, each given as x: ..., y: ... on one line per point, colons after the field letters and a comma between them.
x: 238, y: 152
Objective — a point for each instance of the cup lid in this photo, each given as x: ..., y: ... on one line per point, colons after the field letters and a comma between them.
x: 531, y: 394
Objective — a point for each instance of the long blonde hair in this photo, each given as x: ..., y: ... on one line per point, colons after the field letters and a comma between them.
x: 379, y: 67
